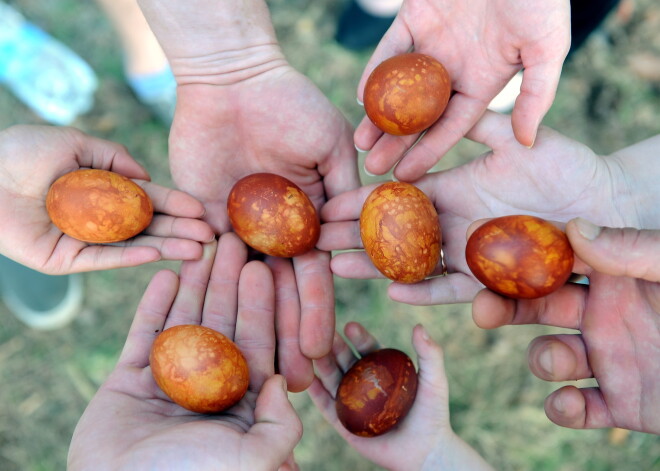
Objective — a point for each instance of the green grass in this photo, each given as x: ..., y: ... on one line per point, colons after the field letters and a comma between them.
x: 496, y: 403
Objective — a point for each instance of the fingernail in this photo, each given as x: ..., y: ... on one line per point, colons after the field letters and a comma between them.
x: 425, y: 334
x: 368, y: 172
x: 545, y: 360
x: 359, y: 102
x: 358, y: 149
x: 587, y: 230
x: 284, y: 385
x: 558, y: 404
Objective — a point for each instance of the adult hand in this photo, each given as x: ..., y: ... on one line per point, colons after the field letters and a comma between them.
x: 558, y: 179
x: 482, y: 44
x: 242, y: 109
x: 143, y: 429
x: 425, y: 433
x: 33, y: 157
x: 618, y: 319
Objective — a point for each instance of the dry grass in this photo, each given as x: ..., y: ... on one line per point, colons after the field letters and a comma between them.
x: 608, y: 98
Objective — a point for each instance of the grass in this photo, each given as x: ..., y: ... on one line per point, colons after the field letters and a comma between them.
x: 497, y: 404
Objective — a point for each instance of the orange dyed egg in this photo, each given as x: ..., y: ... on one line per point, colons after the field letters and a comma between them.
x: 376, y: 393
x: 406, y: 94
x: 520, y: 256
x: 98, y: 206
x: 273, y: 215
x: 198, y: 368
x: 400, y: 232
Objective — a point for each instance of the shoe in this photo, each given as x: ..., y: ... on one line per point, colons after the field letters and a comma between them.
x: 358, y: 29
x: 157, y: 92
x: 42, y: 302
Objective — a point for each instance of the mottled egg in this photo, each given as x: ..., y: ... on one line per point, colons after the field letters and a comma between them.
x: 377, y: 392
x: 520, y: 256
x: 407, y: 93
x: 400, y: 232
x: 199, y: 368
x: 98, y: 206
x: 273, y: 215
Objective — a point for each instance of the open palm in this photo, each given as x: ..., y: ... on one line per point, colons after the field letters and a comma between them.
x: 482, y: 44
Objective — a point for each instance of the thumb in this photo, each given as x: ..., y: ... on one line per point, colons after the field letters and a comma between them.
x: 277, y: 429
x: 616, y: 251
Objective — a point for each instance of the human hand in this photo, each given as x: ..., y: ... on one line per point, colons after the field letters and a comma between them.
x: 558, y: 179
x: 33, y: 157
x: 482, y: 45
x: 425, y: 433
x: 618, y: 319
x: 143, y: 429
x: 242, y: 109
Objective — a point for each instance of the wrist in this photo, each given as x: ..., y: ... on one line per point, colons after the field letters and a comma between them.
x: 452, y: 453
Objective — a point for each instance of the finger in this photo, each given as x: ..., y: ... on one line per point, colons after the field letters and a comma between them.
x: 180, y: 228
x: 395, y: 41
x: 460, y: 116
x: 340, y: 236
x: 347, y: 206
x: 449, y: 289
x: 277, y: 429
x: 172, y: 202
x: 559, y: 358
x: 317, y: 301
x: 387, y: 151
x: 107, y: 155
x: 194, y: 278
x: 149, y: 318
x: 366, y: 135
x: 578, y: 408
x: 360, y: 338
x: 563, y: 308
x: 616, y: 252
x: 537, y: 92
x: 296, y: 367
x: 354, y: 265
x: 169, y: 248
x: 492, y: 130
x: 343, y: 354
x: 255, y: 322
x: 101, y: 257
x: 340, y: 172
x: 221, y: 301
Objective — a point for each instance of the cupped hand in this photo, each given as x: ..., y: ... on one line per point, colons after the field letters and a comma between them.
x: 143, y: 429
x: 33, y: 157
x: 558, y: 179
x: 425, y: 433
x: 482, y: 45
x: 617, y: 316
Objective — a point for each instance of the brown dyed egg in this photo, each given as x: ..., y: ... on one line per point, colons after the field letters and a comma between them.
x: 273, y: 215
x: 406, y: 94
x: 400, y: 232
x: 377, y: 392
x: 98, y: 206
x: 520, y: 256
x: 198, y: 368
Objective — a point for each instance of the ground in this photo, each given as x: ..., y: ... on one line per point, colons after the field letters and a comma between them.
x: 609, y: 97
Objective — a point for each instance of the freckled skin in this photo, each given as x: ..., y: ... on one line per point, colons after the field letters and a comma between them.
x: 377, y: 392
x: 520, y: 256
x: 273, y: 215
x: 198, y: 368
x: 406, y: 94
x: 400, y: 232
x: 98, y: 206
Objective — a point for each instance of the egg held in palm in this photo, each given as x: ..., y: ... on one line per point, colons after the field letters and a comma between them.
x: 98, y: 206
x: 400, y: 232
x: 199, y: 368
x: 377, y: 392
x: 407, y: 93
x: 520, y: 256
x: 273, y: 215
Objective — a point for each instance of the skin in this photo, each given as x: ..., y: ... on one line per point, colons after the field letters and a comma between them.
x: 143, y: 429
x: 500, y: 38
x: 33, y: 157
x: 242, y: 109
x: 425, y: 433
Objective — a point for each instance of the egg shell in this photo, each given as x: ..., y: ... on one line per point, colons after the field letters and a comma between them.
x: 400, y: 232
x: 199, y: 368
x: 407, y: 93
x: 520, y: 256
x: 377, y: 392
x: 98, y: 206
x: 273, y: 215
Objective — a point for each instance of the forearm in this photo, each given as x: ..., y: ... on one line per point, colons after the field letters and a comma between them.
x: 455, y: 455
x: 636, y: 173
x: 214, y: 41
